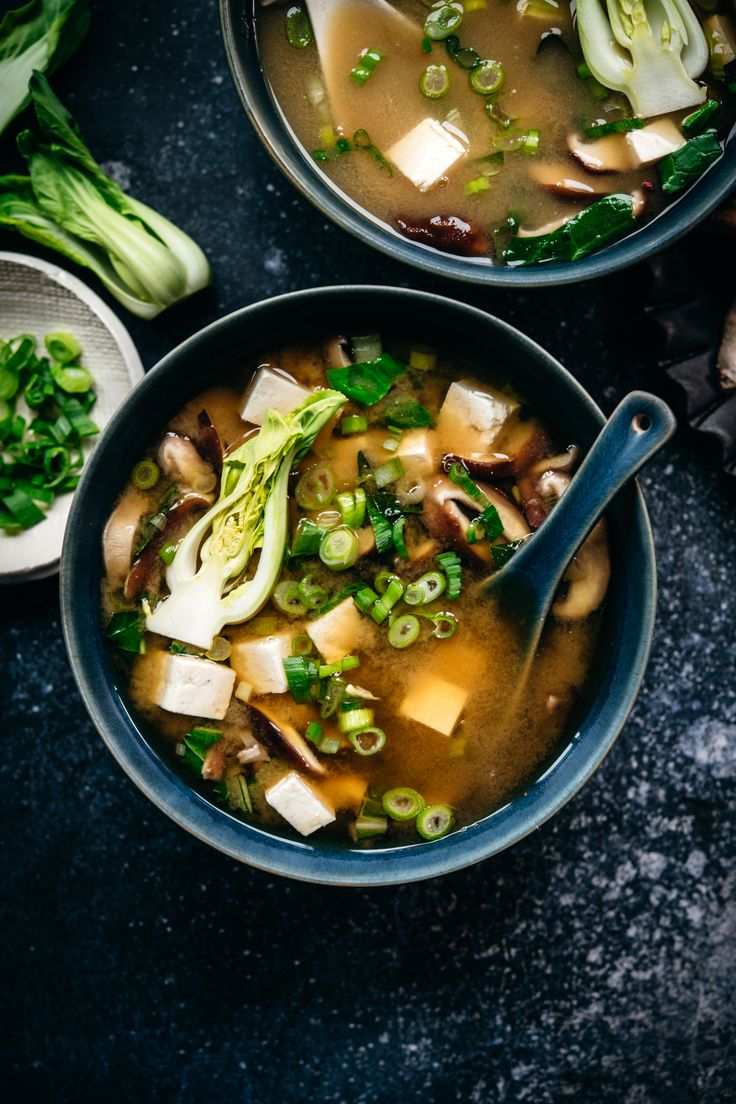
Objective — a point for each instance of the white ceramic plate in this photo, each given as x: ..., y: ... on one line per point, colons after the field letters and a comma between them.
x: 38, y: 297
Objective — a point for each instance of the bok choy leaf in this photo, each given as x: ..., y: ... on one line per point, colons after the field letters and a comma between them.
x: 41, y: 35
x: 206, y: 579
x: 69, y: 204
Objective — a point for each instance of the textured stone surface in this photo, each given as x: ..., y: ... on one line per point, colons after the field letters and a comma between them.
x: 594, y: 961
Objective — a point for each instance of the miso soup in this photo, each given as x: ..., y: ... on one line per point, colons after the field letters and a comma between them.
x: 294, y: 591
x: 485, y: 129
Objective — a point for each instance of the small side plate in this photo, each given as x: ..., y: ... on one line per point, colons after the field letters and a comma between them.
x: 38, y: 297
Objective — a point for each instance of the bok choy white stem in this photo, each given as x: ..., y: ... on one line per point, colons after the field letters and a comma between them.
x: 651, y: 50
x: 206, y: 579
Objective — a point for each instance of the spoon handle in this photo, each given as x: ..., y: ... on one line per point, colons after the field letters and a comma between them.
x: 638, y: 427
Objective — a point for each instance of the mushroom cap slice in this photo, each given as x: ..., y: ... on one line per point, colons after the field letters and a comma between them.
x: 593, y: 571
x: 446, y: 519
x: 118, y: 539
x: 282, y: 738
x: 602, y: 155
x: 560, y: 180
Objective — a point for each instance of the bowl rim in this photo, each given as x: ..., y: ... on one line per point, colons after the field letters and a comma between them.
x: 663, y: 230
x: 297, y: 859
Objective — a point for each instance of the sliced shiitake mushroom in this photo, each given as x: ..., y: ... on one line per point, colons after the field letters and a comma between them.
x: 184, y: 465
x: 448, y: 510
x: 336, y: 351
x: 282, y: 738
x: 118, y: 539
x: 559, y: 179
x: 603, y: 155
x: 143, y: 572
x: 587, y: 586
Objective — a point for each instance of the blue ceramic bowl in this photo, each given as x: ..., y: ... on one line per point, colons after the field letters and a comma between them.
x: 297, y: 164
x: 237, y: 338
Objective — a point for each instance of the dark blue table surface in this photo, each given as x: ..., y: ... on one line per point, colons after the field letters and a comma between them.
x: 594, y: 961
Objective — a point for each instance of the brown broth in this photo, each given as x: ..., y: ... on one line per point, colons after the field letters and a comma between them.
x: 489, y: 756
x: 542, y: 90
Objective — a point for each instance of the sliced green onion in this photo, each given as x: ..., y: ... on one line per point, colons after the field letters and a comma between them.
x: 351, y: 720
x: 404, y: 631
x: 362, y: 141
x: 366, y: 67
x: 24, y: 511
x: 339, y: 548
x: 71, y: 378
x: 616, y: 126
x: 461, y: 55
x: 367, y: 741
x: 307, y: 538
x: 343, y: 145
x: 502, y: 553
x: 487, y: 77
x: 406, y: 413
x: 435, y: 821
x: 445, y: 625
x: 402, y: 803
x: 442, y: 22
x: 353, y: 423
x: 478, y: 185
x: 351, y: 505
x: 434, y: 82
x: 302, y: 645
x: 201, y: 739
x: 298, y: 28
x: 383, y: 578
x: 382, y: 529
x: 389, y: 472
x: 422, y: 360
x: 312, y: 594
x: 425, y: 589
x: 316, y: 488
x: 349, y: 663
x: 459, y: 475
x: 300, y: 673
x: 367, y: 827
x: 62, y: 347
x: 366, y: 347
x: 315, y: 733
x: 365, y: 598
x: 145, y: 475
x: 397, y: 536
x: 426, y: 45
x: 168, y: 552
x: 331, y: 696
x: 450, y: 564
x: 288, y: 599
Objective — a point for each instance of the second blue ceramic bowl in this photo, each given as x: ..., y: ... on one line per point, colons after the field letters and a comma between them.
x: 236, y: 339
x: 297, y: 164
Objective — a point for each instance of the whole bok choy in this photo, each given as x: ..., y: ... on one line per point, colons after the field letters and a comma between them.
x: 41, y: 34
x: 69, y: 204
x: 205, y: 578
x: 651, y: 50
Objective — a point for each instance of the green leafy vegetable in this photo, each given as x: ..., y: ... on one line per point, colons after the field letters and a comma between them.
x: 651, y: 53
x: 41, y: 35
x: 207, y: 578
x: 369, y: 382
x: 605, y: 220
x: 616, y: 126
x: 125, y: 630
x: 683, y: 166
x: 407, y: 413
x: 69, y: 205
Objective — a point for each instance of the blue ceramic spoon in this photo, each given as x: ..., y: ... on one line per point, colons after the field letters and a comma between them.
x: 525, y: 587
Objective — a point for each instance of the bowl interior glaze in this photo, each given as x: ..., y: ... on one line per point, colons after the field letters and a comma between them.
x: 625, y: 635
x: 296, y: 163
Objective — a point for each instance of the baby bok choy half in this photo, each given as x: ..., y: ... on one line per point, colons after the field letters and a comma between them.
x: 651, y: 50
x: 69, y: 204
x: 41, y: 35
x: 206, y: 578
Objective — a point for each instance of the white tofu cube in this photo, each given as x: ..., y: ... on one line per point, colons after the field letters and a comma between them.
x: 426, y: 153
x: 298, y: 802
x: 340, y: 632
x: 654, y: 141
x: 196, y: 687
x: 472, y: 416
x: 416, y: 453
x: 260, y: 661
x: 269, y: 390
x: 434, y: 702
